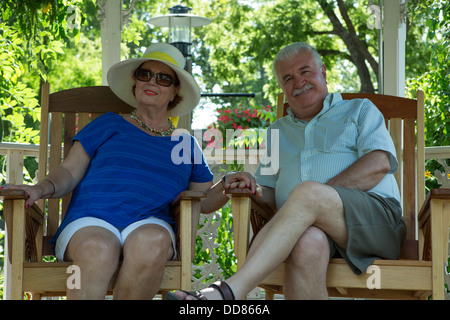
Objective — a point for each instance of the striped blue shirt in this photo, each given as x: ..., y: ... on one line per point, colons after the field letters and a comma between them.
x: 320, y: 149
x: 132, y: 175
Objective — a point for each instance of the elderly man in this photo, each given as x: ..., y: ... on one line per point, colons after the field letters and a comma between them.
x: 334, y: 189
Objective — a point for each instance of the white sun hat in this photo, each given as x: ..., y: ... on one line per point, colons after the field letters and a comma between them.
x: 120, y: 77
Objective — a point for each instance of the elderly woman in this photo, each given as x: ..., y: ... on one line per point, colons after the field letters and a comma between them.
x: 123, y: 179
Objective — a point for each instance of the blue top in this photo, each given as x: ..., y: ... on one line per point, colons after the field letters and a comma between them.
x: 320, y: 149
x: 132, y: 175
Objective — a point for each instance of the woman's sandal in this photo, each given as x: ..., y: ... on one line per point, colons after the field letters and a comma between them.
x: 221, y: 286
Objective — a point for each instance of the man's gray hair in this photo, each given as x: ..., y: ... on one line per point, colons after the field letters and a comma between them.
x: 291, y: 51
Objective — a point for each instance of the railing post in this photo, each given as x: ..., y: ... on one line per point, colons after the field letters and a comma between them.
x: 14, y: 175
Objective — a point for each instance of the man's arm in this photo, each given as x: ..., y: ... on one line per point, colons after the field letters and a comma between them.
x: 365, y: 173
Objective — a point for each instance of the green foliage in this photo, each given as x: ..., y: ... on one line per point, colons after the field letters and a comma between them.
x: 17, y: 101
x: 45, y: 26
x: 33, y: 35
x: 435, y: 81
x: 1, y: 285
x: 252, y: 32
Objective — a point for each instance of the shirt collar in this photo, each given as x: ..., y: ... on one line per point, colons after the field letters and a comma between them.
x: 330, y: 100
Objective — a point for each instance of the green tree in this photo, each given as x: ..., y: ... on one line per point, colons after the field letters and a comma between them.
x: 33, y: 35
x: 252, y: 32
x: 17, y: 101
x: 435, y: 81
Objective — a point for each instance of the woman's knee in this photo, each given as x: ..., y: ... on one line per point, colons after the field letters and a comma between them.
x: 101, y: 248
x: 148, y: 244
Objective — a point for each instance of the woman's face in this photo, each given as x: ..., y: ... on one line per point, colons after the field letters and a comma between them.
x: 150, y: 93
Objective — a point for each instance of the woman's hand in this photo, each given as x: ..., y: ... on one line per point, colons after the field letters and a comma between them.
x: 241, y: 180
x: 32, y: 192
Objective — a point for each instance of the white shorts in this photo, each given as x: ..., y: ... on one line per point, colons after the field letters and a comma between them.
x: 74, y: 226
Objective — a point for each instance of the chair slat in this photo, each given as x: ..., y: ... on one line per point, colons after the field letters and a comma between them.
x: 96, y: 115
x: 420, y: 141
x: 56, y: 129
x: 69, y: 131
x: 83, y: 120
x: 388, y: 105
x: 409, y: 177
x: 43, y: 136
x: 98, y: 99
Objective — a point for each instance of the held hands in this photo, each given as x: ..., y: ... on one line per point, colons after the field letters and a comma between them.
x: 241, y: 180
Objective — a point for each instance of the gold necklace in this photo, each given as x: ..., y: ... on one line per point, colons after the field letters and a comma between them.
x: 160, y: 132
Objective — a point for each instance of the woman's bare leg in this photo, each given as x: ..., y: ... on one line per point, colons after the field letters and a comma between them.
x: 145, y: 251
x: 96, y: 252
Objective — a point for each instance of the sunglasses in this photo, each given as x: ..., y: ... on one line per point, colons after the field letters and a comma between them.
x: 165, y: 80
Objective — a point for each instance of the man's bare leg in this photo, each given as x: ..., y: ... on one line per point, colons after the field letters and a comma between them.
x: 306, y: 267
x: 309, y: 204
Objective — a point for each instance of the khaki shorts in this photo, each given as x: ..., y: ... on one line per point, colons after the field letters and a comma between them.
x: 376, y: 229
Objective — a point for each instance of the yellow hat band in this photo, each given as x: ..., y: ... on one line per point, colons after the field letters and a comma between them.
x: 161, y: 56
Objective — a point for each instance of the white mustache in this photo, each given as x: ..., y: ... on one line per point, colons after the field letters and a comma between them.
x: 306, y: 87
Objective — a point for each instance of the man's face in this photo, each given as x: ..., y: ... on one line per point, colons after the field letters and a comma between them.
x: 304, y: 84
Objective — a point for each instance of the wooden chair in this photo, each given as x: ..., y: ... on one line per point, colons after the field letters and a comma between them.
x: 62, y: 115
x: 420, y: 270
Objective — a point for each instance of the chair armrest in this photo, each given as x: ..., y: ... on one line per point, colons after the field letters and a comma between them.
x: 258, y: 206
x: 186, y: 195
x: 33, y: 224
x: 34, y: 211
x: 424, y: 212
x: 424, y: 219
x: 260, y: 212
x: 189, y: 221
x: 8, y: 194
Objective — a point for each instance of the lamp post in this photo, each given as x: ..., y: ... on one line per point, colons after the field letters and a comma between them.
x: 180, y: 23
